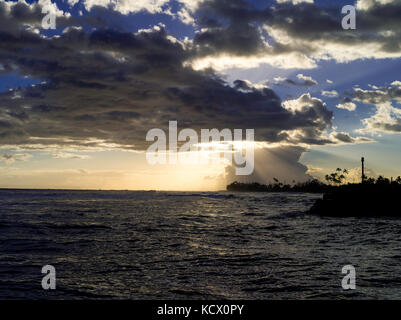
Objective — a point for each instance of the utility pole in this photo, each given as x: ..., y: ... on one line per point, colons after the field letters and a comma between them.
x: 363, y: 169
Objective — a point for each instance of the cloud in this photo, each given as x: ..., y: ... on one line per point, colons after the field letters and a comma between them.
x: 185, y: 16
x: 387, y: 117
x: 345, y: 138
x: 294, y: 34
x: 72, y: 2
x: 295, y: 2
x: 10, y: 158
x: 67, y: 155
x: 286, y: 34
x: 315, y: 111
x: 369, y: 4
x: 378, y: 94
x: 330, y: 94
x: 313, y: 170
x: 281, y: 163
x: 128, y: 6
x: 20, y: 20
x: 350, y: 106
x: 305, y: 81
x: 105, y: 89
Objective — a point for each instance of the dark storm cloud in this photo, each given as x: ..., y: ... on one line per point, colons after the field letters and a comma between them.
x: 113, y: 87
x: 238, y: 28
x: 241, y: 40
x: 12, y: 17
x: 230, y: 30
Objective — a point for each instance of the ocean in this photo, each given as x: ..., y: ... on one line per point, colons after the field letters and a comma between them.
x: 190, y: 245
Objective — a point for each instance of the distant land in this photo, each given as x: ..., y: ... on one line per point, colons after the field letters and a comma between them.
x: 371, y: 197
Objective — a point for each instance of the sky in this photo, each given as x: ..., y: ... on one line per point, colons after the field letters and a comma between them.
x: 77, y: 101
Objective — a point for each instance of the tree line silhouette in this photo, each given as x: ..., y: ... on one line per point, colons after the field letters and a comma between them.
x: 335, y: 181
